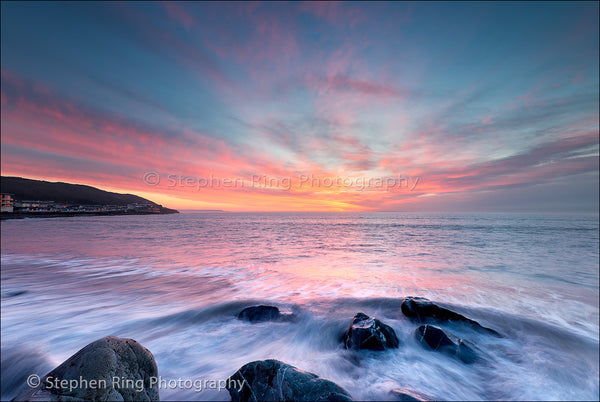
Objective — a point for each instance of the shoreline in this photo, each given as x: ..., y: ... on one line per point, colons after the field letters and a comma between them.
x: 19, y: 215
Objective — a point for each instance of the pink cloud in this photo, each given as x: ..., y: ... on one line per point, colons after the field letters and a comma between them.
x: 334, y: 12
x: 176, y: 11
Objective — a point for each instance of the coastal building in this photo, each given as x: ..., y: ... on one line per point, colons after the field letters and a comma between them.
x: 34, y: 206
x: 7, y: 203
x: 10, y: 204
x: 147, y: 208
x: 153, y: 208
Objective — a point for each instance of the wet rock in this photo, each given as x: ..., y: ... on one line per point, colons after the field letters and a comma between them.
x: 109, y: 369
x: 423, y: 311
x: 369, y: 333
x: 409, y: 395
x: 273, y: 380
x: 437, y: 339
x: 261, y: 313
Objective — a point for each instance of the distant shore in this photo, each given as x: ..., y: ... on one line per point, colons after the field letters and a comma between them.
x: 23, y: 215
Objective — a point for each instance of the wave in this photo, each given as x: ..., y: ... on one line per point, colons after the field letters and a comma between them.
x: 535, y: 359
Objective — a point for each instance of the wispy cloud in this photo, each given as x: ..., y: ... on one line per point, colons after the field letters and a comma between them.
x: 290, y: 90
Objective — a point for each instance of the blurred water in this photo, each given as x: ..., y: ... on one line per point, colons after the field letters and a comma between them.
x: 176, y: 282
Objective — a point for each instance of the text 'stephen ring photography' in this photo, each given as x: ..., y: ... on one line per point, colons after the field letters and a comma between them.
x: 298, y: 201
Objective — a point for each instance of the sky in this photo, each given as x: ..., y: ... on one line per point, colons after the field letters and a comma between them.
x: 317, y: 106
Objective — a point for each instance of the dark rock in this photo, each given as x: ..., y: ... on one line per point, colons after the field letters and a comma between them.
x: 423, y: 311
x: 261, y: 313
x: 89, y: 374
x: 369, y: 333
x: 409, y: 395
x: 437, y: 339
x: 272, y: 380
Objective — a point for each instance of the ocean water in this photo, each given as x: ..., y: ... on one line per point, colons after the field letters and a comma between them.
x: 175, y: 283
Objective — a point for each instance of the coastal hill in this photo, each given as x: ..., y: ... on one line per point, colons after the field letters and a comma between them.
x: 39, y: 190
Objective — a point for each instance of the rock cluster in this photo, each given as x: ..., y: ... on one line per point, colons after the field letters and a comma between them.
x: 94, y: 368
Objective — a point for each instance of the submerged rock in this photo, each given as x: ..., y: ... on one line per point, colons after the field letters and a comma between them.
x: 273, y: 380
x: 437, y: 339
x: 409, y: 395
x: 262, y: 313
x: 369, y: 333
x: 16, y: 293
x: 109, y: 369
x: 423, y: 311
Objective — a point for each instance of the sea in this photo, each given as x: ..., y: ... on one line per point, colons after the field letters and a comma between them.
x: 175, y: 283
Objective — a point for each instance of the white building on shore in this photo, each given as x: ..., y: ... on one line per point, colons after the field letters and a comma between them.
x: 7, y: 202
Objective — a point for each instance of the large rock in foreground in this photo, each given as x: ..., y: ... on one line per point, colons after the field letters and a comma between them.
x: 423, y: 311
x: 262, y: 313
x: 369, y: 333
x: 272, y: 380
x: 109, y: 369
x: 437, y: 339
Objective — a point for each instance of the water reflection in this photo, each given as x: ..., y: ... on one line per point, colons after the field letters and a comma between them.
x: 176, y: 282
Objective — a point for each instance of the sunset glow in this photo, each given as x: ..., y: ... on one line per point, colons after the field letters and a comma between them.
x: 307, y: 106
